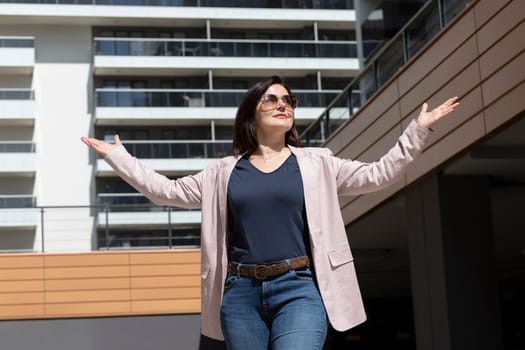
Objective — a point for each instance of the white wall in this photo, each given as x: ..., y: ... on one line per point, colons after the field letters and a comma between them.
x: 62, y: 81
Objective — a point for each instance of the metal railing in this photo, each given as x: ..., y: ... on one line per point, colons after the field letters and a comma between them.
x: 224, y: 48
x: 283, y: 4
x: 17, y: 94
x: 382, y: 66
x: 20, y: 213
x: 118, y: 97
x: 183, y: 149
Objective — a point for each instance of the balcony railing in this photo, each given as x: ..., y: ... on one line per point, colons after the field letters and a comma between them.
x: 183, y: 149
x: 16, y: 94
x: 17, y: 147
x: 16, y: 42
x: 119, y: 202
x: 223, y: 48
x: 165, y: 232
x: 284, y: 4
x: 382, y: 66
x: 17, y: 201
x: 109, y: 97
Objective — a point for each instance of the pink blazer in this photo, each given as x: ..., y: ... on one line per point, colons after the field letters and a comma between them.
x: 325, y: 177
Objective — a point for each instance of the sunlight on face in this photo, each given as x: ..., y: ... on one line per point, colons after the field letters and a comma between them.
x: 278, y: 119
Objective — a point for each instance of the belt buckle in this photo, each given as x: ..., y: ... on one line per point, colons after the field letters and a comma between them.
x: 258, y: 269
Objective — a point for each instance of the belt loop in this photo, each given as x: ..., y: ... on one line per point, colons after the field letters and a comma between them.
x: 289, y: 264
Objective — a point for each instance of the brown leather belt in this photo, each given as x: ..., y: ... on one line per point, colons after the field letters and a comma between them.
x: 264, y: 271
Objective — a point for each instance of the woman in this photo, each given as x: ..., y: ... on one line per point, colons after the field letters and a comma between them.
x: 275, y: 256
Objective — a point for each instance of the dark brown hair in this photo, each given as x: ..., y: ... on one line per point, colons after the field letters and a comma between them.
x: 244, y: 132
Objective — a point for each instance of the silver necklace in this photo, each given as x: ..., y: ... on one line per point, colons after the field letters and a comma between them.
x: 266, y: 159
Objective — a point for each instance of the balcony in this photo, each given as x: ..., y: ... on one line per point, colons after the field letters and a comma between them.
x: 17, y: 157
x: 382, y: 67
x: 173, y: 157
x: 132, y: 209
x: 18, y: 211
x: 263, y: 4
x: 147, y: 105
x: 17, y: 106
x: 156, y: 56
x: 17, y: 54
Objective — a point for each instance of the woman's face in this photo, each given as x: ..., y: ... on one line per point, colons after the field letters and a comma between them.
x: 275, y: 111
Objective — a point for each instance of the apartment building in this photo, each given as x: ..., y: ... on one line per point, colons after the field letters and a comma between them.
x: 167, y: 77
x: 439, y: 255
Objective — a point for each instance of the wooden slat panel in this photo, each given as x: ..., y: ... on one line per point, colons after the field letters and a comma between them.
x: 87, y: 296
x: 19, y: 311
x: 90, y: 259
x: 87, y: 272
x: 167, y: 306
x: 20, y: 261
x: 87, y: 309
x: 165, y: 270
x: 22, y: 286
x: 166, y: 257
x: 166, y: 293
x: 21, y: 274
x: 154, y: 282
x: 21, y: 298
x: 87, y: 284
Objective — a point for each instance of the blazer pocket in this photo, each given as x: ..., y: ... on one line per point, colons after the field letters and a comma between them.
x: 340, y: 256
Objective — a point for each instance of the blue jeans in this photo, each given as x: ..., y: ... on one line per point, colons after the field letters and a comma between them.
x: 283, y: 313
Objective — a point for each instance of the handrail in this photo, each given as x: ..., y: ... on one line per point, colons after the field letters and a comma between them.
x: 284, y: 4
x: 371, y: 67
x: 107, y: 223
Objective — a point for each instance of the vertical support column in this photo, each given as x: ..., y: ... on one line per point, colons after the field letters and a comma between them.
x: 453, y: 267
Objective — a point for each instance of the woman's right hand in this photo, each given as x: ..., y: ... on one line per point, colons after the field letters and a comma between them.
x: 100, y: 146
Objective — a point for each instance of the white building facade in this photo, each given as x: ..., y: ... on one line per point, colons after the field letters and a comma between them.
x: 167, y: 77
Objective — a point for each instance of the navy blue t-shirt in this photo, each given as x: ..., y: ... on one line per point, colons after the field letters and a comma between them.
x: 266, y: 213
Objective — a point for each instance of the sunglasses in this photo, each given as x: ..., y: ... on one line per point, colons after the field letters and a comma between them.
x: 271, y: 101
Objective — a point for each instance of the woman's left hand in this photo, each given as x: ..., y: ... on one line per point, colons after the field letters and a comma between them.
x: 428, y: 118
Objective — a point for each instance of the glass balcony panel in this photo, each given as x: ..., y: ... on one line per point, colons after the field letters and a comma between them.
x: 423, y: 30
x: 140, y: 98
x: 451, y: 8
x: 367, y: 84
x: 17, y: 147
x: 16, y: 94
x: 17, y: 201
x: 286, y: 4
x: 122, y: 48
x: 16, y: 43
x: 224, y: 49
x: 390, y: 60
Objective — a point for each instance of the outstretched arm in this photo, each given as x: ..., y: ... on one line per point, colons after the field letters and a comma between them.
x: 356, y: 177
x: 184, y: 192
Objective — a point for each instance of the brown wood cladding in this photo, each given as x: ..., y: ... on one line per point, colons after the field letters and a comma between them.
x: 479, y: 58
x: 99, y: 284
